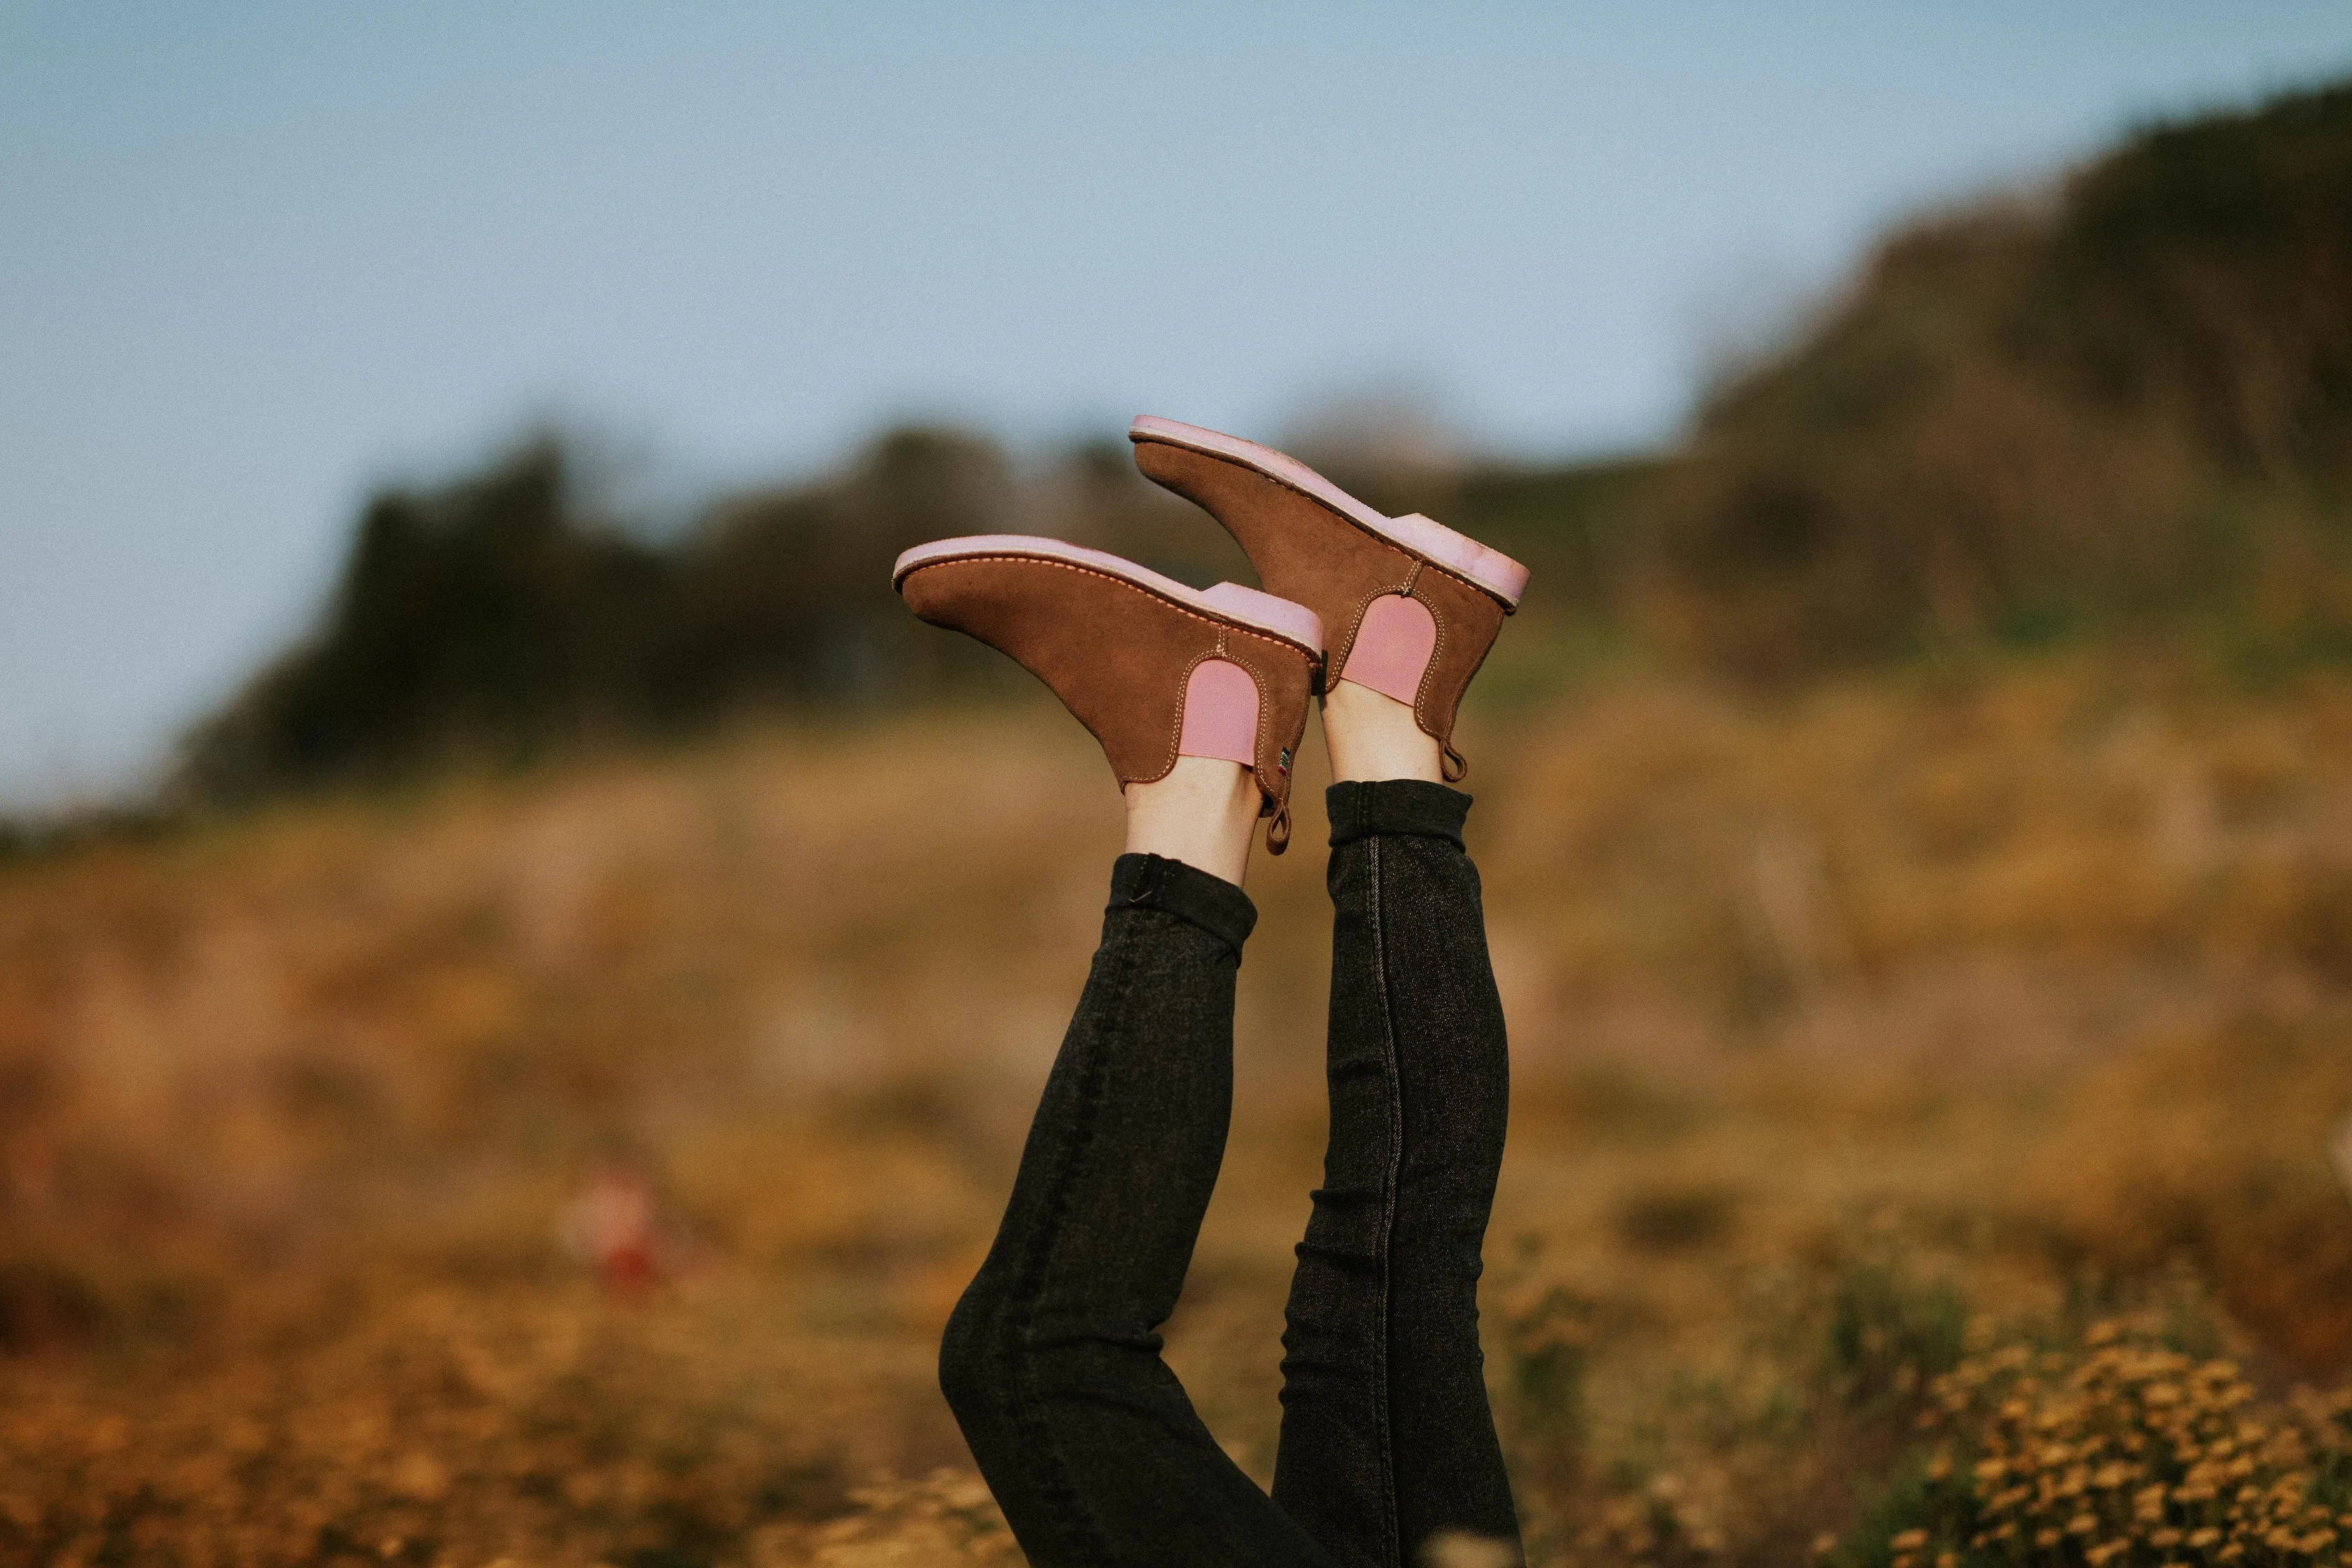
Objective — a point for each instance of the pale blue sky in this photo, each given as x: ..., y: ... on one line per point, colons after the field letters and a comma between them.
x: 255, y: 258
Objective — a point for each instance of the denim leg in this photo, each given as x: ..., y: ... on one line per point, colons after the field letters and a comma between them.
x: 1051, y: 1361
x: 1386, y: 1435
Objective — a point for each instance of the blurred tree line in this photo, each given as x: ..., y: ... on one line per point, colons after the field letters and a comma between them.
x: 2122, y: 402
x: 502, y: 615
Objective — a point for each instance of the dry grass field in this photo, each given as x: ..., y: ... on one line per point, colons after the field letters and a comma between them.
x: 1923, y: 1104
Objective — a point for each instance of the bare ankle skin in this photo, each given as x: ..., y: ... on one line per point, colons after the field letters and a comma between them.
x: 1374, y: 736
x: 1204, y: 813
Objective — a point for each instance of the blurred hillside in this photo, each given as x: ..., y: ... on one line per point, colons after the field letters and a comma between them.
x: 2125, y: 400
x: 1861, y: 1040
x: 2122, y: 404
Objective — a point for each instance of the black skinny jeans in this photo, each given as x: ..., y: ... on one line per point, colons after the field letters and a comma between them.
x: 1052, y: 1359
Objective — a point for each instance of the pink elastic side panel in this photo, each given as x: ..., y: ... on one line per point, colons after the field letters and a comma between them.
x: 1220, y: 713
x: 1393, y: 648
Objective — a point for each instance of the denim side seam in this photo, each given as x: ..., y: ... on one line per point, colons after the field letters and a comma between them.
x: 1392, y: 1541
x: 1029, y: 1289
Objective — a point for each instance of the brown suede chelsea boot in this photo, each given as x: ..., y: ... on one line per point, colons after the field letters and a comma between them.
x: 1155, y: 670
x: 1410, y: 606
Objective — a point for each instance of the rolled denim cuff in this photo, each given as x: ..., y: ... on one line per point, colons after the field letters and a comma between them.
x: 1155, y: 882
x: 1369, y: 808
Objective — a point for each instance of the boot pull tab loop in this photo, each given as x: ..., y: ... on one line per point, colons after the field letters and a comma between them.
x: 1278, y: 832
x: 1452, y: 764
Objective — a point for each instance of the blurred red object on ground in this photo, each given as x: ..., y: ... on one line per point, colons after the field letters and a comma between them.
x: 611, y: 1226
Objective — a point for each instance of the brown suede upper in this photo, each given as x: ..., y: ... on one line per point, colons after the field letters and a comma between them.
x: 1305, y: 551
x: 1118, y: 656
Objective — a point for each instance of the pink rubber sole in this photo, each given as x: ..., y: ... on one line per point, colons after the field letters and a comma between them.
x: 1227, y: 602
x: 1489, y: 570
